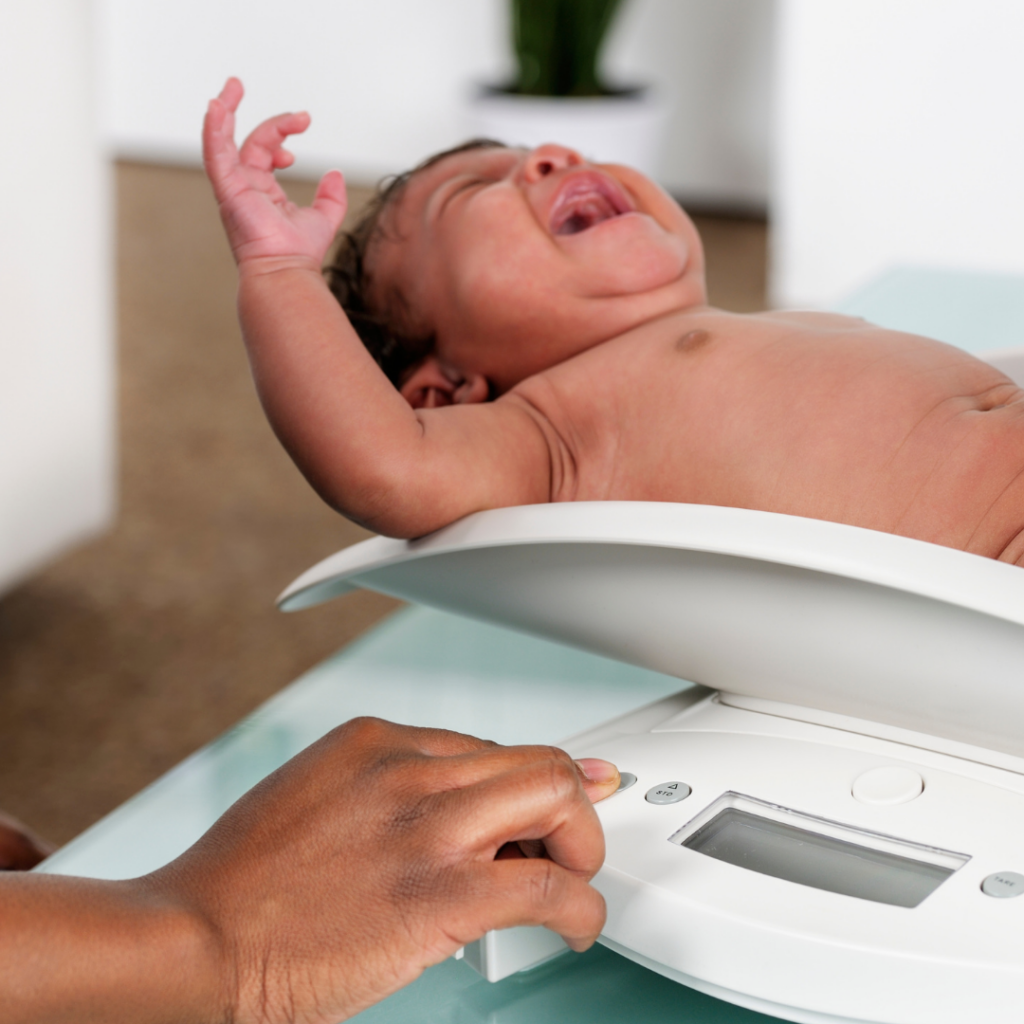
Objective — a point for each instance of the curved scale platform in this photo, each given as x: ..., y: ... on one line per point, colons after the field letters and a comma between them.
x: 801, y: 611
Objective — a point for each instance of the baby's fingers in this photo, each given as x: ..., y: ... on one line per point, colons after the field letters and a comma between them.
x: 220, y: 156
x: 263, y: 149
x: 331, y: 199
x: 232, y: 93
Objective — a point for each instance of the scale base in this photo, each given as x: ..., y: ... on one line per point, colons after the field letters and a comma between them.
x: 728, y: 995
x: 805, y: 951
x: 500, y: 954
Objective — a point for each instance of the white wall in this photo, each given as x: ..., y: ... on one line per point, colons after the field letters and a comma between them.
x: 899, y: 141
x: 385, y: 79
x: 56, y: 358
x: 382, y: 78
x: 714, y: 59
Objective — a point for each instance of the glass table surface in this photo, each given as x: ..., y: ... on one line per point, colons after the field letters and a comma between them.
x: 977, y: 312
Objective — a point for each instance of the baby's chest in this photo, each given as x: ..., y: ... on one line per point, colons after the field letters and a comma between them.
x: 716, y: 403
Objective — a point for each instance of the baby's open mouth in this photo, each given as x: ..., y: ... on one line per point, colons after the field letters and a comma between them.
x: 586, y: 200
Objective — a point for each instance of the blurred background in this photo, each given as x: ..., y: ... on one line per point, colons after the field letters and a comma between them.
x: 147, y: 516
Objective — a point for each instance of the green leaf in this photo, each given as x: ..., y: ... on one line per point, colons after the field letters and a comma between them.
x: 558, y: 45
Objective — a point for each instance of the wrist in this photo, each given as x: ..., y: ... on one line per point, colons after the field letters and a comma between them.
x: 194, y: 955
x: 261, y: 266
x: 236, y: 972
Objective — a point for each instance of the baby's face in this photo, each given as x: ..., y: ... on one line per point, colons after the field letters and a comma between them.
x: 515, y: 260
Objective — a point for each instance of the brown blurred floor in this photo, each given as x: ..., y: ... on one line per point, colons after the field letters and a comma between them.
x: 125, y: 656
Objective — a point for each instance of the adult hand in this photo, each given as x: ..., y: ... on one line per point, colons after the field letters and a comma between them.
x: 382, y: 849
x: 375, y: 853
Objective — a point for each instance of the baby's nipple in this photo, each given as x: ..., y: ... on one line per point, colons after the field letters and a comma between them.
x: 692, y: 339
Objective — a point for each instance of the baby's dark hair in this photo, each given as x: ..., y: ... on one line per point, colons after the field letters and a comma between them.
x: 347, y: 276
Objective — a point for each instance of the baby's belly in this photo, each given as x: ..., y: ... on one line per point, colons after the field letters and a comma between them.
x: 974, y: 498
x: 952, y: 475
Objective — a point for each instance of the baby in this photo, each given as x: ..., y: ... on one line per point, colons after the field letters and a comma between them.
x: 545, y: 326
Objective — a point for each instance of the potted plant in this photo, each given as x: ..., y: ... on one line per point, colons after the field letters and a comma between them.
x: 559, y: 93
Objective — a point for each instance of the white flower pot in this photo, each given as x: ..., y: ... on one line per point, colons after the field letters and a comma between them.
x: 626, y: 129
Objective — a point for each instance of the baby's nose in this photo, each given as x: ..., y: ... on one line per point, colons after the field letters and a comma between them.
x: 547, y: 159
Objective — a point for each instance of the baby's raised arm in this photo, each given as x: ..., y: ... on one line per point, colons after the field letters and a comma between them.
x: 399, y: 471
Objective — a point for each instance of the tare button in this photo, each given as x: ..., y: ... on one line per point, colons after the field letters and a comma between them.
x: 668, y: 793
x: 1003, y: 884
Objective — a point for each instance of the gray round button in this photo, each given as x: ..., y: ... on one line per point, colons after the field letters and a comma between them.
x: 668, y: 793
x: 1003, y: 884
x: 626, y: 779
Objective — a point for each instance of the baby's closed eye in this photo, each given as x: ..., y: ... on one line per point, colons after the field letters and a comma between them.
x: 463, y: 186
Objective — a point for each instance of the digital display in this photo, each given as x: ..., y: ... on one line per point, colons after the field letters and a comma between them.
x: 800, y: 855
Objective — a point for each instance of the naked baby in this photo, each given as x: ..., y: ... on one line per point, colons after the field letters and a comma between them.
x: 545, y: 326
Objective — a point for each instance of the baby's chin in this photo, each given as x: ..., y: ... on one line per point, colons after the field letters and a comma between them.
x: 627, y: 255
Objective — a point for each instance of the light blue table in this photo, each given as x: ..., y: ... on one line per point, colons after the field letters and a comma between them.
x: 423, y: 667
x: 977, y: 312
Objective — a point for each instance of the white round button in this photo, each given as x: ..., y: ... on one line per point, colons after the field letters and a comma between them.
x: 888, y: 785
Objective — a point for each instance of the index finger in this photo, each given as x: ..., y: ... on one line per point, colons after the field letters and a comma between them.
x: 600, y: 778
x: 541, y: 798
x: 232, y: 93
x: 220, y: 154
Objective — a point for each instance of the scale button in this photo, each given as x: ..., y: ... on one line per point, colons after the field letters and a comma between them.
x: 888, y: 785
x: 1003, y: 884
x: 668, y: 793
x: 626, y: 779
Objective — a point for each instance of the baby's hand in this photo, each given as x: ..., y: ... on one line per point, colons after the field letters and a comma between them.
x: 262, y: 224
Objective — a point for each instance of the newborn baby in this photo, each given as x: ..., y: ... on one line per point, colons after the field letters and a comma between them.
x: 546, y: 323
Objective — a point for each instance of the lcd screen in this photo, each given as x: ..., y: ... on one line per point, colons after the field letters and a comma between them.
x: 823, y: 862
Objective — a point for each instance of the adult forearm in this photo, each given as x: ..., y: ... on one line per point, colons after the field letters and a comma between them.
x: 81, y: 950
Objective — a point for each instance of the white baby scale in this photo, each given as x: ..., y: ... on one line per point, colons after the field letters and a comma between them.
x: 830, y: 827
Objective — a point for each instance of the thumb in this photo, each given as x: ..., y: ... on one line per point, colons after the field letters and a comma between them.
x: 331, y: 198
x: 599, y: 778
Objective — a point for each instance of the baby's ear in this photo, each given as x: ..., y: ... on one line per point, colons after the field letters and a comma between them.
x: 431, y: 384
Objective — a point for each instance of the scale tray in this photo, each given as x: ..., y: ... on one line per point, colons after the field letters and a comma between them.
x: 800, y: 611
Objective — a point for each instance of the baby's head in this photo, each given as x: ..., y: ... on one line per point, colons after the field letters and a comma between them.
x: 486, y: 264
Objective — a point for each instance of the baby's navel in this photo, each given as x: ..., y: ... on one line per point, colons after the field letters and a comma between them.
x: 691, y: 340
